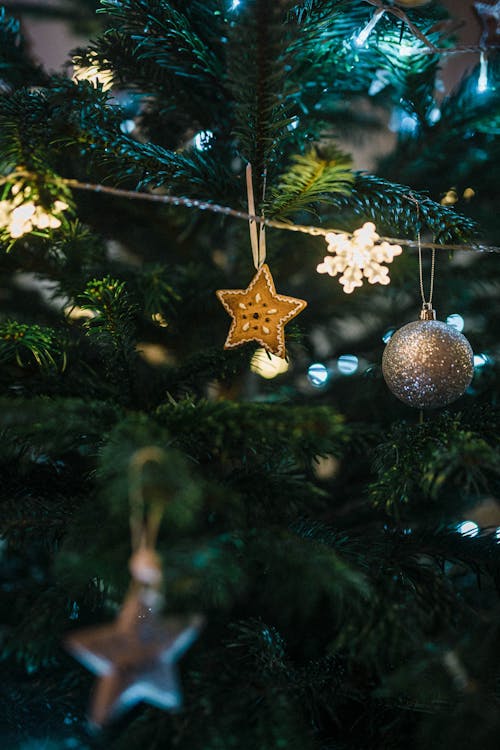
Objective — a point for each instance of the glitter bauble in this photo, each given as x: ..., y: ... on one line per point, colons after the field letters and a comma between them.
x: 428, y: 364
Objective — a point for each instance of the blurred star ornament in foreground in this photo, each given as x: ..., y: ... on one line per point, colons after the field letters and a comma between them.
x: 135, y: 657
x: 361, y: 255
x: 427, y: 363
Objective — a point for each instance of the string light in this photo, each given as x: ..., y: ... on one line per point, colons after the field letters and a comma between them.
x: 347, y: 364
x: 268, y: 365
x: 361, y: 38
x: 407, y: 50
x: 318, y: 375
x: 93, y: 73
x: 481, y: 360
x: 313, y: 231
x: 381, y: 80
x: 482, y: 81
x: 468, y: 528
x: 202, y: 140
x: 127, y: 126
x: 21, y: 212
x: 434, y: 115
x: 456, y: 321
x: 403, y: 121
x: 428, y: 48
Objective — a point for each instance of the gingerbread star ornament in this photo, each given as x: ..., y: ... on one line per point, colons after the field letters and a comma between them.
x: 259, y: 313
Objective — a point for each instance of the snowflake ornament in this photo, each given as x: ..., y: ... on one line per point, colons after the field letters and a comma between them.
x: 358, y: 256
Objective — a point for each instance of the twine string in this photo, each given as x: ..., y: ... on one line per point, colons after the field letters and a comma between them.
x: 144, y: 522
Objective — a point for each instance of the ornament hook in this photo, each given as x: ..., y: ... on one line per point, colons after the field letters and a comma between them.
x: 427, y: 313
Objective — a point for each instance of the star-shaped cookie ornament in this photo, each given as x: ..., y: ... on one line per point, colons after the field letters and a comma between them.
x: 135, y: 659
x: 259, y: 314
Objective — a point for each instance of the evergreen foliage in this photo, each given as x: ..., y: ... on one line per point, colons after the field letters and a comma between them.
x: 315, y: 528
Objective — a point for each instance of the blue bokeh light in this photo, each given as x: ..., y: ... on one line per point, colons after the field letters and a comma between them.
x: 202, y: 140
x: 468, y: 528
x: 318, y: 375
x: 347, y: 364
x: 456, y: 321
x: 480, y: 360
x: 388, y: 335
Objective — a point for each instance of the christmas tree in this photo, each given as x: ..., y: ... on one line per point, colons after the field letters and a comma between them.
x: 339, y: 545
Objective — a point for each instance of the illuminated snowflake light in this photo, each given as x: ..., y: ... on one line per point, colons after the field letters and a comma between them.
x: 361, y: 255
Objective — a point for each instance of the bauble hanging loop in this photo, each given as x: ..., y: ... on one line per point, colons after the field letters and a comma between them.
x: 428, y: 363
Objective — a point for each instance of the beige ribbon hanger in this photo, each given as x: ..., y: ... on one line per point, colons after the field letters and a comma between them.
x: 257, y: 237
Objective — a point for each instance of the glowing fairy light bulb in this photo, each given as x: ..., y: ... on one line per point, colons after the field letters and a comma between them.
x: 20, y: 220
x: 456, y: 321
x: 267, y: 365
x: 202, y: 140
x: 361, y: 38
x: 347, y: 364
x: 468, y: 528
x: 318, y: 375
x: 481, y: 360
x: 20, y: 213
x: 93, y: 73
x: 482, y: 81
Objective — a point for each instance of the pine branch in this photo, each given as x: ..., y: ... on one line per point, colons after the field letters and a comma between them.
x: 258, y: 84
x: 309, y: 182
x: 389, y: 205
x: 448, y: 460
x: 253, y: 431
x: 27, y: 344
x: 56, y: 426
x: 166, y: 35
x: 112, y: 324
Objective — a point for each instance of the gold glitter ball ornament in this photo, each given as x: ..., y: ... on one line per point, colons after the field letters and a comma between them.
x: 427, y: 363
